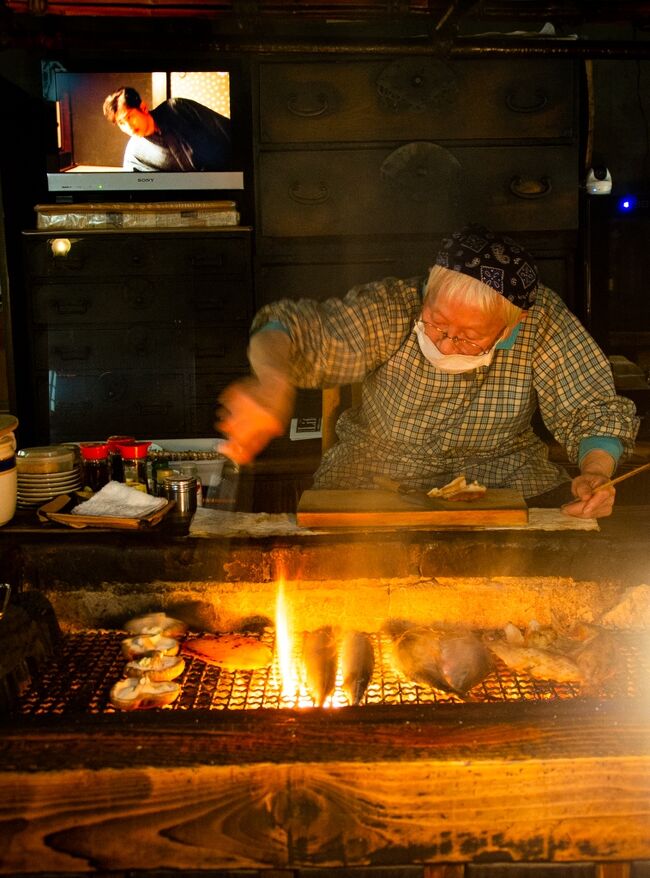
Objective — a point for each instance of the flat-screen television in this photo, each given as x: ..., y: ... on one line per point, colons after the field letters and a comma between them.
x: 142, y: 132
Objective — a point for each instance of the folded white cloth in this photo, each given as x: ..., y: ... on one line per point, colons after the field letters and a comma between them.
x: 118, y: 501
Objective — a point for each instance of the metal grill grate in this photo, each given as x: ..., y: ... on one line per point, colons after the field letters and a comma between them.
x: 87, y: 664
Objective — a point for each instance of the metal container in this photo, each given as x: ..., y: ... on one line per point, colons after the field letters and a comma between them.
x: 182, y: 489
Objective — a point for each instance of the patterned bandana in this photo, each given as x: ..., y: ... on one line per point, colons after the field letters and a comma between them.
x: 495, y: 260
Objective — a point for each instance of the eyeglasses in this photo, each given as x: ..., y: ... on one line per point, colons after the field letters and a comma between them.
x: 464, y: 345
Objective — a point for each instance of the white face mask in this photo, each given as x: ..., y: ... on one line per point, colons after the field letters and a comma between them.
x: 452, y: 363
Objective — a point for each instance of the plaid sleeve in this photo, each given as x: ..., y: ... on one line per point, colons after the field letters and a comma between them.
x: 339, y: 341
x: 574, y: 383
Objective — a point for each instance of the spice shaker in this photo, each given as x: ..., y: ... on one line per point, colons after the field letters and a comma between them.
x: 182, y: 489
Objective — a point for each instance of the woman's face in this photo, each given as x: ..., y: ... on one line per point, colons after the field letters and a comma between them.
x: 461, y: 327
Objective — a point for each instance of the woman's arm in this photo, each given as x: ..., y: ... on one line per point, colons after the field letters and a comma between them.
x: 256, y: 409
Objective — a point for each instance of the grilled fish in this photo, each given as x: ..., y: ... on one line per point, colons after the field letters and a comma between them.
x: 319, y: 656
x: 454, y: 661
x: 540, y: 663
x: 357, y: 664
x: 599, y: 659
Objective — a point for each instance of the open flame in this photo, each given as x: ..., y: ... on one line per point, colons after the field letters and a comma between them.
x: 288, y: 660
x: 284, y: 646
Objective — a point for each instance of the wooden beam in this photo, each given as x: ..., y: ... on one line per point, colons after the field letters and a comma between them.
x: 550, y: 782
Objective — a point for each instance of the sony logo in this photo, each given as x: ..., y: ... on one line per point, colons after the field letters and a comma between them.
x: 145, y: 179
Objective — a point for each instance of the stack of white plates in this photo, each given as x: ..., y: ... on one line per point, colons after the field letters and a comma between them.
x: 44, y: 473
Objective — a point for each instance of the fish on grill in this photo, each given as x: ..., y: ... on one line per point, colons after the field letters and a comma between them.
x: 319, y: 657
x: 540, y: 663
x: 233, y: 652
x: 357, y: 664
x: 599, y: 658
x: 453, y: 661
x: 580, y: 653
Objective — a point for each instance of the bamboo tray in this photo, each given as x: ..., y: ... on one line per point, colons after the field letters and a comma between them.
x: 58, y: 510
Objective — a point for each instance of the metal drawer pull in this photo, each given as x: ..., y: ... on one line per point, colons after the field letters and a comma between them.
x: 67, y: 354
x: 528, y: 188
x: 539, y: 104
x: 305, y: 112
x: 81, y: 307
x: 317, y: 195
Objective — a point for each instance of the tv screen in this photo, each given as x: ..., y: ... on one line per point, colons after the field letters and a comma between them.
x: 155, y: 131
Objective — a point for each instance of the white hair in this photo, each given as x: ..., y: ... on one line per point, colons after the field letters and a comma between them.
x: 458, y: 288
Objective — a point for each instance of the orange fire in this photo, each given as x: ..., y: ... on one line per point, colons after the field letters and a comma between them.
x: 284, y: 646
x: 288, y: 651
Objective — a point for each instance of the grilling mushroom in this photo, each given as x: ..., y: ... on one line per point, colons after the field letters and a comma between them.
x: 144, y: 644
x: 139, y: 693
x: 156, y: 623
x: 157, y: 666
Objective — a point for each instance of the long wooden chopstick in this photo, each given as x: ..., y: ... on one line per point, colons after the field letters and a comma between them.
x: 632, y: 472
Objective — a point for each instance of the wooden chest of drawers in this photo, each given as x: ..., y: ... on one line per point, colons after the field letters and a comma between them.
x: 357, y: 157
x: 135, y: 332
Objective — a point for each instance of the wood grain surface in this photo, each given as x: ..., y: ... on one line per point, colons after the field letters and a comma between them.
x: 551, y: 782
x: 358, y: 508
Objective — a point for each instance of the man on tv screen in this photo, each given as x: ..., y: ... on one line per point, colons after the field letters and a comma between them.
x: 177, y: 135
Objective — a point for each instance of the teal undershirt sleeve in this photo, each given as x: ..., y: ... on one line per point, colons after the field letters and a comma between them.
x: 610, y: 444
x: 273, y: 324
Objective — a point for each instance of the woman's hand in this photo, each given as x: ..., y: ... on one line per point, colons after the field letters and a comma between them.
x: 589, y: 502
x: 255, y: 410
x: 597, y: 467
x: 251, y: 415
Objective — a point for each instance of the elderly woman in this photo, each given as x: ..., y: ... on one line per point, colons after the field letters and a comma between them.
x: 453, y: 372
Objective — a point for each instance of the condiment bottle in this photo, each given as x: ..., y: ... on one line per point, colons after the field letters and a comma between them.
x: 134, y: 463
x: 161, y: 475
x: 94, y: 458
x: 115, y: 458
x: 157, y: 464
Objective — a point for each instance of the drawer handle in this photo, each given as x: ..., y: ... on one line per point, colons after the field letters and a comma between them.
x: 64, y: 307
x: 541, y: 100
x: 68, y: 354
x: 530, y: 189
x: 306, y: 112
x: 317, y: 195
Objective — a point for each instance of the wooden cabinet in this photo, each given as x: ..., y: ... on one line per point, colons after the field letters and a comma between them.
x: 362, y: 164
x: 135, y: 332
x: 416, y: 98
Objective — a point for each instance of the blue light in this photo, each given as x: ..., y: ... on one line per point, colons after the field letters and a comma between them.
x: 627, y: 203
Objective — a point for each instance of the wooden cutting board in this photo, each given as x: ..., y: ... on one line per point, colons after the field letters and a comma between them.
x: 378, y: 508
